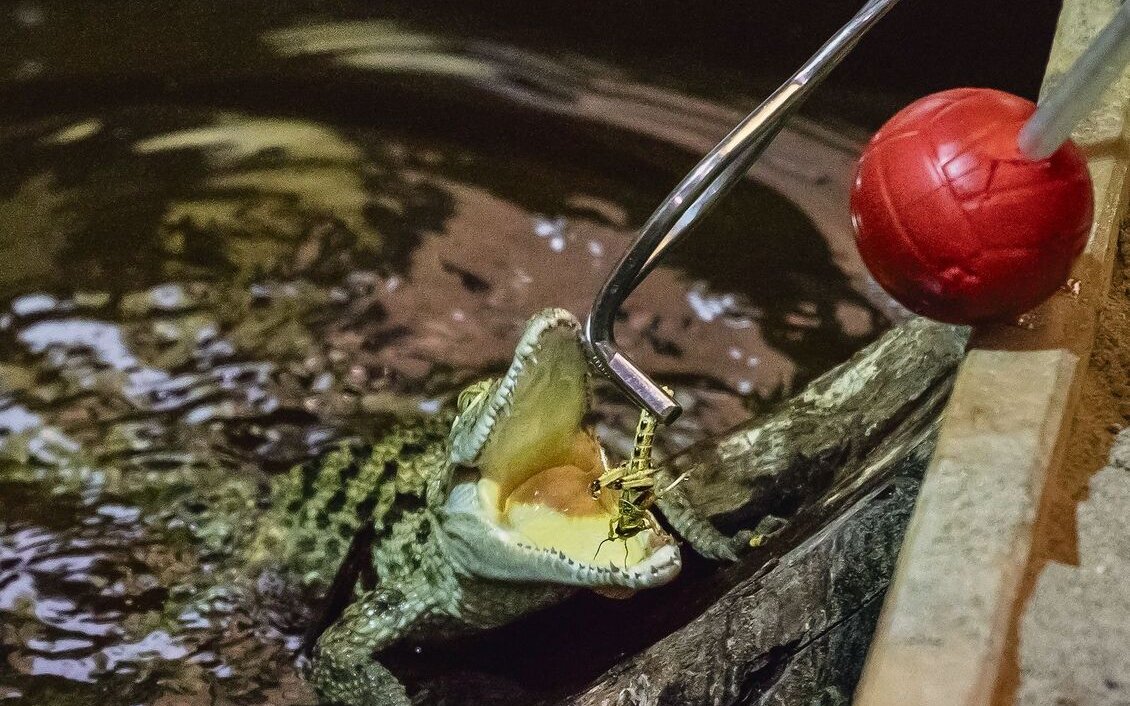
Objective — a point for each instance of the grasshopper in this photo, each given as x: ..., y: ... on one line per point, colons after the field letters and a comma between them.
x: 635, y: 481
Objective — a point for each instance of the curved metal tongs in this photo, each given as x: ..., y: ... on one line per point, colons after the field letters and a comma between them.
x: 719, y: 170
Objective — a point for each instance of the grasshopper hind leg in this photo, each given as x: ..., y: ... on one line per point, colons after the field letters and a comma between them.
x: 610, y: 538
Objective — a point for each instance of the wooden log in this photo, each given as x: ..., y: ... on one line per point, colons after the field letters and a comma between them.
x: 839, y: 464
x: 822, y: 440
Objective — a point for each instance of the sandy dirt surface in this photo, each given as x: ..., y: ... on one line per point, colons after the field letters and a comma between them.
x: 1075, y: 586
x: 1103, y: 411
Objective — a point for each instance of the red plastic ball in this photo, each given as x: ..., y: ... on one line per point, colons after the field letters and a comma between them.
x: 954, y: 222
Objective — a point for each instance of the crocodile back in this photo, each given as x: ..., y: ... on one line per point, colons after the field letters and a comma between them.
x: 318, y: 507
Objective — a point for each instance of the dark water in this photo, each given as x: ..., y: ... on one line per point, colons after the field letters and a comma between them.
x: 227, y: 245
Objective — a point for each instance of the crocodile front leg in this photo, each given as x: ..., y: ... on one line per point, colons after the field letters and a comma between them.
x: 344, y: 670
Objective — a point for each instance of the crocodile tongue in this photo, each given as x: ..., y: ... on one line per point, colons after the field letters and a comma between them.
x: 555, y: 508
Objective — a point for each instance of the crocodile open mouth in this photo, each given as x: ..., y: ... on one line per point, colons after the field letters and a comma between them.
x: 536, y: 461
x: 554, y: 508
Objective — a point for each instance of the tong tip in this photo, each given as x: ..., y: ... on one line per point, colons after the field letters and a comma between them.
x: 635, y: 383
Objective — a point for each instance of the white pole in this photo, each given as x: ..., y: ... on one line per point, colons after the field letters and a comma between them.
x: 1079, y: 90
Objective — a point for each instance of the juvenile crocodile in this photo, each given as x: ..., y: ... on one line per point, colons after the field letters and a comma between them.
x: 472, y: 528
x: 488, y: 517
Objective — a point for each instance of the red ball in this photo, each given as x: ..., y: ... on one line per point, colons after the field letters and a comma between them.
x: 954, y: 222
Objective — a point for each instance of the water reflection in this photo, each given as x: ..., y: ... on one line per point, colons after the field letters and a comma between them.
x: 198, y: 297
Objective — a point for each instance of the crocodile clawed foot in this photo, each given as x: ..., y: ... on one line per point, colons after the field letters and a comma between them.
x: 766, y: 528
x: 354, y: 682
x: 343, y: 670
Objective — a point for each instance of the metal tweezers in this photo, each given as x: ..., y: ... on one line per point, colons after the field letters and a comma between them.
x: 719, y: 170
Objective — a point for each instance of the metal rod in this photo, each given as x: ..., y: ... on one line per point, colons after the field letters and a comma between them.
x: 692, y: 199
x: 1081, y: 87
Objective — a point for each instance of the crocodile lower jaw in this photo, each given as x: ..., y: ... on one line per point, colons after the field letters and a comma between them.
x: 554, y: 509
x: 544, y: 524
x: 483, y: 543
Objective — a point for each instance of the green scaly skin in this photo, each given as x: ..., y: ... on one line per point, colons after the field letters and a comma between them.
x: 445, y: 558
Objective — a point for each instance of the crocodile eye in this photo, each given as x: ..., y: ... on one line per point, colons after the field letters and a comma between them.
x: 465, y: 398
x: 470, y: 394
x: 475, y: 394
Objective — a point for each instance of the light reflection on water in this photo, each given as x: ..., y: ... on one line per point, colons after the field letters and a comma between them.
x: 201, y: 295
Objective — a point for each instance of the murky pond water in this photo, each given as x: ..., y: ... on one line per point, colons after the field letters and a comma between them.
x: 208, y: 282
